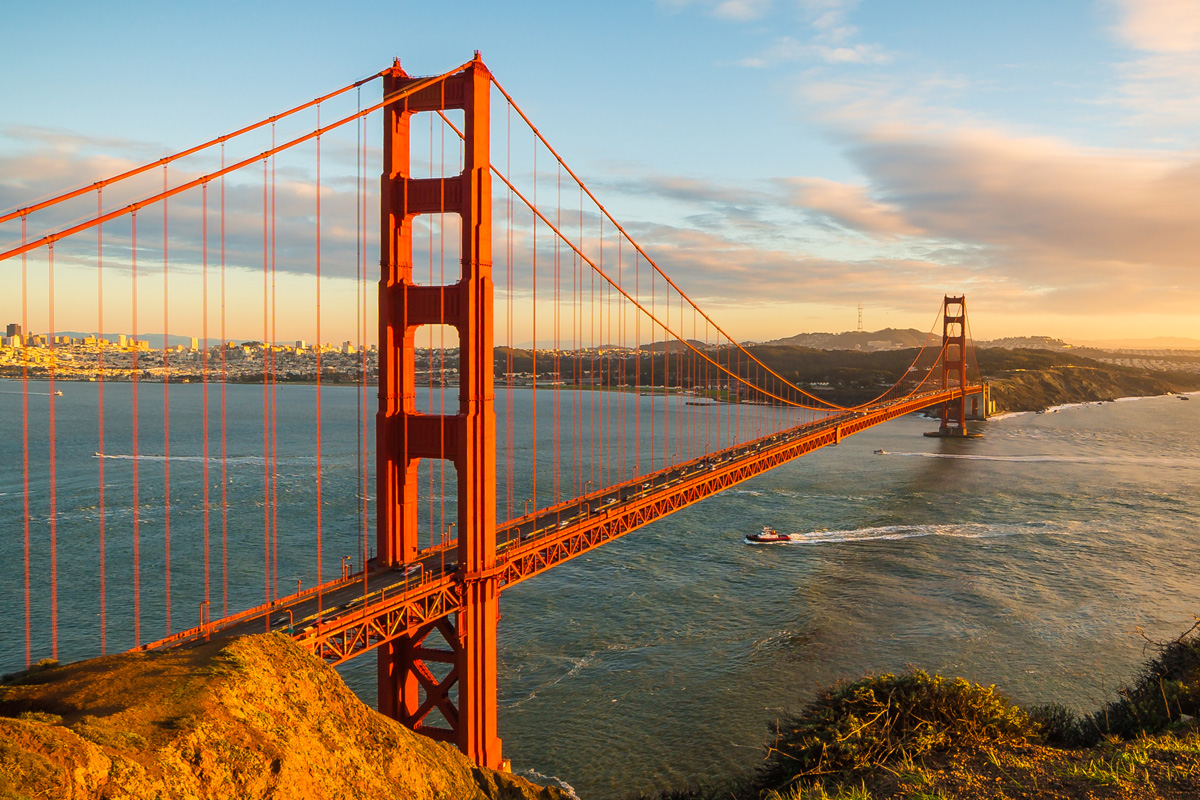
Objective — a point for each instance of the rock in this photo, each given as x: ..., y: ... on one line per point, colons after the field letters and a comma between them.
x: 253, y: 717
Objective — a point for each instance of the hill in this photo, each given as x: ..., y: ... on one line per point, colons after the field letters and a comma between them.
x: 255, y: 717
x: 888, y: 338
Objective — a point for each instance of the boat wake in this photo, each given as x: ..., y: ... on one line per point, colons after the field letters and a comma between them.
x: 1043, y: 459
x: 970, y: 530
x: 180, y: 459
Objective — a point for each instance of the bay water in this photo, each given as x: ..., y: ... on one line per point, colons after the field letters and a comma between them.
x: 1034, y: 558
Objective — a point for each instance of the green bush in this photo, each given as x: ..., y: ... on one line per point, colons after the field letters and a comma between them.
x: 853, y: 728
x: 1167, y: 686
x: 1059, y: 725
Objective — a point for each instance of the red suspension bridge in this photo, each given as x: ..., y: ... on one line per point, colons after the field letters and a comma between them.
x: 535, y: 400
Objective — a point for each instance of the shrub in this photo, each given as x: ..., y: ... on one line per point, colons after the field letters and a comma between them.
x: 853, y: 728
x: 1167, y: 686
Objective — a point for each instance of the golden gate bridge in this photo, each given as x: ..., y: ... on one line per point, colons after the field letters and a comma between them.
x: 641, y: 403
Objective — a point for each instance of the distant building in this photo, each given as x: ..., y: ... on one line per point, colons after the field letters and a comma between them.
x: 14, y: 329
x: 121, y: 340
x: 347, y: 348
x: 301, y: 344
x: 195, y: 344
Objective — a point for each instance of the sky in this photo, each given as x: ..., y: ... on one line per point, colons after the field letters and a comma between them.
x: 784, y: 160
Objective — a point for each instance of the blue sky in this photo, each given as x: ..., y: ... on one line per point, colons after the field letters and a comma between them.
x: 1041, y: 157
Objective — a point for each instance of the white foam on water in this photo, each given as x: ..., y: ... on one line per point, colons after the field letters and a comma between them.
x: 970, y: 530
x: 1008, y: 415
x: 1045, y: 459
x: 577, y: 665
x: 534, y: 776
x: 182, y: 459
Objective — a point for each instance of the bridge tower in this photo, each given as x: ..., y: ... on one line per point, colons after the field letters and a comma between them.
x: 409, y: 690
x: 954, y: 364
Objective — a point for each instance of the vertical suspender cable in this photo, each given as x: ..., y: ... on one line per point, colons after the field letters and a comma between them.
x: 204, y: 387
x: 266, y: 396
x: 25, y: 431
x: 166, y: 426
x: 53, y: 470
x: 508, y: 321
x: 137, y: 593
x: 100, y: 420
x: 362, y: 338
x: 361, y: 302
x: 320, y: 553
x: 274, y: 397
x: 556, y: 394
x: 533, y: 438
x: 224, y: 418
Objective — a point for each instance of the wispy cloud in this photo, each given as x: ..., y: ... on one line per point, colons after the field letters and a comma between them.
x: 736, y: 10
x: 1161, y: 86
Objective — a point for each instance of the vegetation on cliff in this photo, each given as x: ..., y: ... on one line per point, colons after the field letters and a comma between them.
x: 254, y: 717
x: 1036, y: 390
x: 926, y: 737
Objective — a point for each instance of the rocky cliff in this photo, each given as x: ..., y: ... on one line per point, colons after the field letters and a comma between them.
x: 1037, y: 389
x: 254, y: 717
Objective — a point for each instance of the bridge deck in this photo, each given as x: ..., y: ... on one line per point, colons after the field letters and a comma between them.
x: 343, y: 618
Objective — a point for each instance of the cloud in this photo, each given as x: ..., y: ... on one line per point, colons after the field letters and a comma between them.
x: 1083, y: 230
x: 849, y: 206
x: 735, y: 10
x: 824, y: 37
x: 741, y: 10
x: 1159, y: 26
x: 1162, y: 85
x: 786, y: 49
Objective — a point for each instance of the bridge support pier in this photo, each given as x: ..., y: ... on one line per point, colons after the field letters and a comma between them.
x: 410, y: 690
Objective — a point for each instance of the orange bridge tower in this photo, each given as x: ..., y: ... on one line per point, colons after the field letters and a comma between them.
x: 954, y: 365
x: 409, y: 690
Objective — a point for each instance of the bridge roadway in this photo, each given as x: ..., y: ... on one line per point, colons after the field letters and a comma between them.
x: 343, y: 618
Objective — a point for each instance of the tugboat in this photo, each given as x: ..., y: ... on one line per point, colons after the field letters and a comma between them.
x: 768, y: 536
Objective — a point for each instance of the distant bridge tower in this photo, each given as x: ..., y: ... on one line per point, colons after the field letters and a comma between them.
x: 954, y: 364
x: 409, y: 690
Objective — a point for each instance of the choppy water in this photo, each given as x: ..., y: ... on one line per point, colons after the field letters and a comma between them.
x: 1027, y: 558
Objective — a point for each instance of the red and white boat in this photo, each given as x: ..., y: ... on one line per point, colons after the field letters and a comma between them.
x: 768, y: 535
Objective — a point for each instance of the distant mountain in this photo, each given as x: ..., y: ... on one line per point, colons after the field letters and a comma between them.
x: 1155, y: 343
x: 886, y: 339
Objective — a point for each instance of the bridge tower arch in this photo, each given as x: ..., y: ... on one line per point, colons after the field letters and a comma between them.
x: 409, y: 690
x: 954, y: 365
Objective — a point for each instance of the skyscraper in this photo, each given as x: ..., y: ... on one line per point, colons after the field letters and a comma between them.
x: 14, y: 329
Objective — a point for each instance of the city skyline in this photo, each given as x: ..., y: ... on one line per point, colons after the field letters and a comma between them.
x: 784, y: 161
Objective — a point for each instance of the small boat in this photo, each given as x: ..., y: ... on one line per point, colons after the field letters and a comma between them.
x: 881, y: 452
x: 1183, y: 397
x: 768, y: 536
x: 58, y: 393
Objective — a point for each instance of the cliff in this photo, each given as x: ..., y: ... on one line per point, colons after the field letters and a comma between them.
x: 1035, y: 390
x: 254, y: 717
